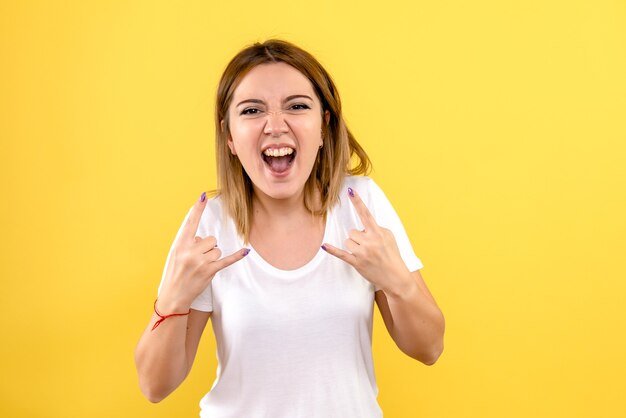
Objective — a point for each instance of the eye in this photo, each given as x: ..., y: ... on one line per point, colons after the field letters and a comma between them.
x: 250, y: 111
x: 299, y: 106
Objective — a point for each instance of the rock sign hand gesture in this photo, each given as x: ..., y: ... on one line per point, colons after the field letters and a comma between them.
x: 373, y: 252
x: 193, y: 264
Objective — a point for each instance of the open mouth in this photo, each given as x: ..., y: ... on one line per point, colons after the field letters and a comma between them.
x: 279, y: 159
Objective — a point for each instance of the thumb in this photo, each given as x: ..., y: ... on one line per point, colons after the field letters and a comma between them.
x: 224, y: 262
x: 339, y: 253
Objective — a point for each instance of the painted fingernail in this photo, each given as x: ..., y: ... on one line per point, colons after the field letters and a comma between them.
x: 350, y: 192
x: 324, y: 248
x: 246, y: 251
x: 202, y: 197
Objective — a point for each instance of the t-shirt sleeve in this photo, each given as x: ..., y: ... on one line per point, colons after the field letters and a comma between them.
x: 204, y: 302
x: 387, y: 217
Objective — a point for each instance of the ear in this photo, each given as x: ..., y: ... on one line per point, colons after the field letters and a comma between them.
x: 229, y: 142
x: 231, y: 146
x: 326, y: 119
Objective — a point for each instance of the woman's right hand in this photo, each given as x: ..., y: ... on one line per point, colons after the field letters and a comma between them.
x: 192, y: 265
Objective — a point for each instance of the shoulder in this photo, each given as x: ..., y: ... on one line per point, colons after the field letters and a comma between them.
x: 358, y: 182
x: 214, y: 206
x: 365, y: 186
x: 213, y: 217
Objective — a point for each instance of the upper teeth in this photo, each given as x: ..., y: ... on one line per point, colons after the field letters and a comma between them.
x: 278, y: 152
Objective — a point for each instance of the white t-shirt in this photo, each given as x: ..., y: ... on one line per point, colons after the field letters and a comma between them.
x: 297, y: 343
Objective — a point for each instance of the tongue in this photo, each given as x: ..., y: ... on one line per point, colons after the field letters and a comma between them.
x: 279, y: 164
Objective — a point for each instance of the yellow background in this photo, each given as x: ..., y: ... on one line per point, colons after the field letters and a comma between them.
x: 497, y: 129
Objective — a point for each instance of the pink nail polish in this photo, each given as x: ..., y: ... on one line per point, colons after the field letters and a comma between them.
x: 202, y: 196
x: 350, y: 192
x: 246, y: 252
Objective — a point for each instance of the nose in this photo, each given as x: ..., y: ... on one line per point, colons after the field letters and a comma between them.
x: 276, y: 125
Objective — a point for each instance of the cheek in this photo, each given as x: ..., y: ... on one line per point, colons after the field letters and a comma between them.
x: 245, y: 132
x: 307, y: 126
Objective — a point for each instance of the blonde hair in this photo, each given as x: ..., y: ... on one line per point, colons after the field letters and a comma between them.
x: 333, y: 161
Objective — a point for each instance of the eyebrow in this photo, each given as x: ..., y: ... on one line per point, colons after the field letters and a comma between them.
x: 288, y: 98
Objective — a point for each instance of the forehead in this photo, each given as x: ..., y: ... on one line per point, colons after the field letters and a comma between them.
x: 273, y: 81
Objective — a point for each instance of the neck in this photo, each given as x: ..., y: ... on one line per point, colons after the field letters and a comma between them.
x: 263, y: 205
x: 283, y: 231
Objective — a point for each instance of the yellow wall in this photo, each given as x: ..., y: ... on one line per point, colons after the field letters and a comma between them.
x: 497, y: 129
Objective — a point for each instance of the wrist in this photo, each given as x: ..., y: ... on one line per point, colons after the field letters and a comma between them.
x: 164, y: 316
x: 168, y: 305
x: 401, y: 288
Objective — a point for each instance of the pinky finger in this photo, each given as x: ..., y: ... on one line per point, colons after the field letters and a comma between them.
x: 339, y: 253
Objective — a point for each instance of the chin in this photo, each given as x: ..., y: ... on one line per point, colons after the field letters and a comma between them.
x: 280, y: 193
x: 278, y: 187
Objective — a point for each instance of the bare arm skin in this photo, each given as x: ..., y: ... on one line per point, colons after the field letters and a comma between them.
x: 413, y: 319
x: 164, y: 356
x: 409, y: 311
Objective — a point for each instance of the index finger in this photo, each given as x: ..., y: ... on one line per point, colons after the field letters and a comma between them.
x: 191, y: 226
x: 364, y: 214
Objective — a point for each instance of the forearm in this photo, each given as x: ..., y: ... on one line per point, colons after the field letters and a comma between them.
x: 160, y: 357
x: 417, y: 323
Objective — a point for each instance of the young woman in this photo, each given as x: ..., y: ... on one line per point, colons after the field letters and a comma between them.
x: 287, y: 258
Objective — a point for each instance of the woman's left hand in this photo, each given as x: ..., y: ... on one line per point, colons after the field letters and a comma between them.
x: 373, y: 252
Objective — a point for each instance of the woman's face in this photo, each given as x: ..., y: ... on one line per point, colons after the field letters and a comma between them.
x: 275, y: 129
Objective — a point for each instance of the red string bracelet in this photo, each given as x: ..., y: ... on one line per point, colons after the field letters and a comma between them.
x: 164, y: 317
